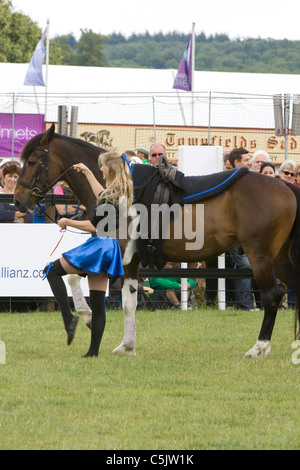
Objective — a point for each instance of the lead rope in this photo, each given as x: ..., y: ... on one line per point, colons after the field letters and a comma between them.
x: 62, y: 230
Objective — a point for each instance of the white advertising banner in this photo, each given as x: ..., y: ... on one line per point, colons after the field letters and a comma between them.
x: 25, y: 251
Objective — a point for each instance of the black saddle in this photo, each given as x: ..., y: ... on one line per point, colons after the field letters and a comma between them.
x: 150, y: 183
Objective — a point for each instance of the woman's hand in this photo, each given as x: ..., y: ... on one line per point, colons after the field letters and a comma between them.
x: 63, y: 222
x: 81, y: 168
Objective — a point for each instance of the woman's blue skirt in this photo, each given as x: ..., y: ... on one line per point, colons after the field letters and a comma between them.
x: 96, y: 255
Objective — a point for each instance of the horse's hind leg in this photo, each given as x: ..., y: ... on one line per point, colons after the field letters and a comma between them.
x: 271, y: 294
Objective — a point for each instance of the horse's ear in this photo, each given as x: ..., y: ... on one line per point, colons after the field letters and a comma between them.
x: 48, y: 136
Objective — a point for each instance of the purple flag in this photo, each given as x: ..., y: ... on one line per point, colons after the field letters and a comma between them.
x: 183, y: 79
x: 34, y: 74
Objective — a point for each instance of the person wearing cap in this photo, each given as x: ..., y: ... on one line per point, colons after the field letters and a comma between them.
x: 143, y: 154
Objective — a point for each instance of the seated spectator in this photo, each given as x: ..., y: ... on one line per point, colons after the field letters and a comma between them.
x: 71, y: 211
x: 287, y: 171
x: 268, y: 169
x: 167, y: 291
x: 143, y: 299
x: 8, y: 211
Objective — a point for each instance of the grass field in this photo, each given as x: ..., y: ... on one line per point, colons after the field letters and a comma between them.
x: 188, y: 388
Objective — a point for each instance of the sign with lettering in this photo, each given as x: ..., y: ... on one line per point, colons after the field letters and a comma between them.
x: 127, y: 137
x: 16, y: 130
x: 22, y: 275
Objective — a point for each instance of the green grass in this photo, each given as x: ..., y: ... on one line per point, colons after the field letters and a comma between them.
x: 189, y: 387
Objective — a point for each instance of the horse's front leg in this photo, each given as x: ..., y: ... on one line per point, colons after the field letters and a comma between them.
x: 129, y: 303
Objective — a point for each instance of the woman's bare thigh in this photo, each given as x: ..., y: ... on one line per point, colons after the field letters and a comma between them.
x: 96, y: 281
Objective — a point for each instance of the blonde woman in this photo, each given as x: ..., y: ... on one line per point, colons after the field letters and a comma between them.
x: 100, y: 256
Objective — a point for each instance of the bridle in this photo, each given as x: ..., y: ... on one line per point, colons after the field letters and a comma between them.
x: 39, y: 192
x: 42, y: 166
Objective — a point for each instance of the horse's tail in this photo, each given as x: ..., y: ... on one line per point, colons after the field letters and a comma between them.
x: 295, y: 252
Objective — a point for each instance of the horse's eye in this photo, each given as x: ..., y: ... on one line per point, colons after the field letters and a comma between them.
x: 31, y: 163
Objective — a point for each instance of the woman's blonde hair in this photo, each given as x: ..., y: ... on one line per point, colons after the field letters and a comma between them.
x: 118, y: 179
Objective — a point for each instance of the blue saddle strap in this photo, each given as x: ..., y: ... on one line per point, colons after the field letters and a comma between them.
x: 215, y: 187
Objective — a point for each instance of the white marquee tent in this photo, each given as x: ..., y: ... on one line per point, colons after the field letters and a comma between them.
x: 72, y: 79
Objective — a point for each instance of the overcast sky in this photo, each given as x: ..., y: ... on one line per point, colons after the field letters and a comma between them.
x: 276, y: 19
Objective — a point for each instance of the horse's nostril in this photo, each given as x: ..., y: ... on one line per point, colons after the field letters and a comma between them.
x: 17, y: 203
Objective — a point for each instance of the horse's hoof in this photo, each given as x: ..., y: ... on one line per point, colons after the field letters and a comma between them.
x: 89, y: 355
x: 124, y: 350
x: 261, y: 348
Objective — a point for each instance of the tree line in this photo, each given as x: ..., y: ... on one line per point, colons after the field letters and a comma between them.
x: 19, y: 36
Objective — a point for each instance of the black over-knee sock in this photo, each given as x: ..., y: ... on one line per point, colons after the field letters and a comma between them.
x: 54, y: 276
x: 97, y: 303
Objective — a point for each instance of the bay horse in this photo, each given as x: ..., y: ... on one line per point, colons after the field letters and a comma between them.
x: 258, y: 213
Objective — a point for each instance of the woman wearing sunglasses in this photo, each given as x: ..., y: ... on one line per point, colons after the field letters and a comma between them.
x: 287, y: 171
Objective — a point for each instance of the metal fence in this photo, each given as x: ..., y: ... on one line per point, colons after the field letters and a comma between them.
x: 125, y: 121
x: 206, y: 293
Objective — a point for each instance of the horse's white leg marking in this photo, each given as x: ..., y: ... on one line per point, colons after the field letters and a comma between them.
x: 131, y: 245
x: 261, y: 348
x: 129, y: 301
x: 129, y: 252
x: 129, y: 296
x: 80, y: 304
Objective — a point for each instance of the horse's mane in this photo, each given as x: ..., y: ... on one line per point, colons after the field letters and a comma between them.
x: 33, y: 143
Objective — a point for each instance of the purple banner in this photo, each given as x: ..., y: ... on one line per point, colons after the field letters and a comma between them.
x: 14, y: 137
x: 183, y: 79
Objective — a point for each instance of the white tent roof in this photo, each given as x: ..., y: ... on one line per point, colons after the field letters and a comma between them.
x: 71, y: 79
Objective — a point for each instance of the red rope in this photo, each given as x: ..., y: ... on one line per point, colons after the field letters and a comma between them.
x: 63, y: 232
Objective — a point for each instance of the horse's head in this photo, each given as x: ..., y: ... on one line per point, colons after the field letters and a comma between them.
x: 33, y: 182
x: 49, y: 158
